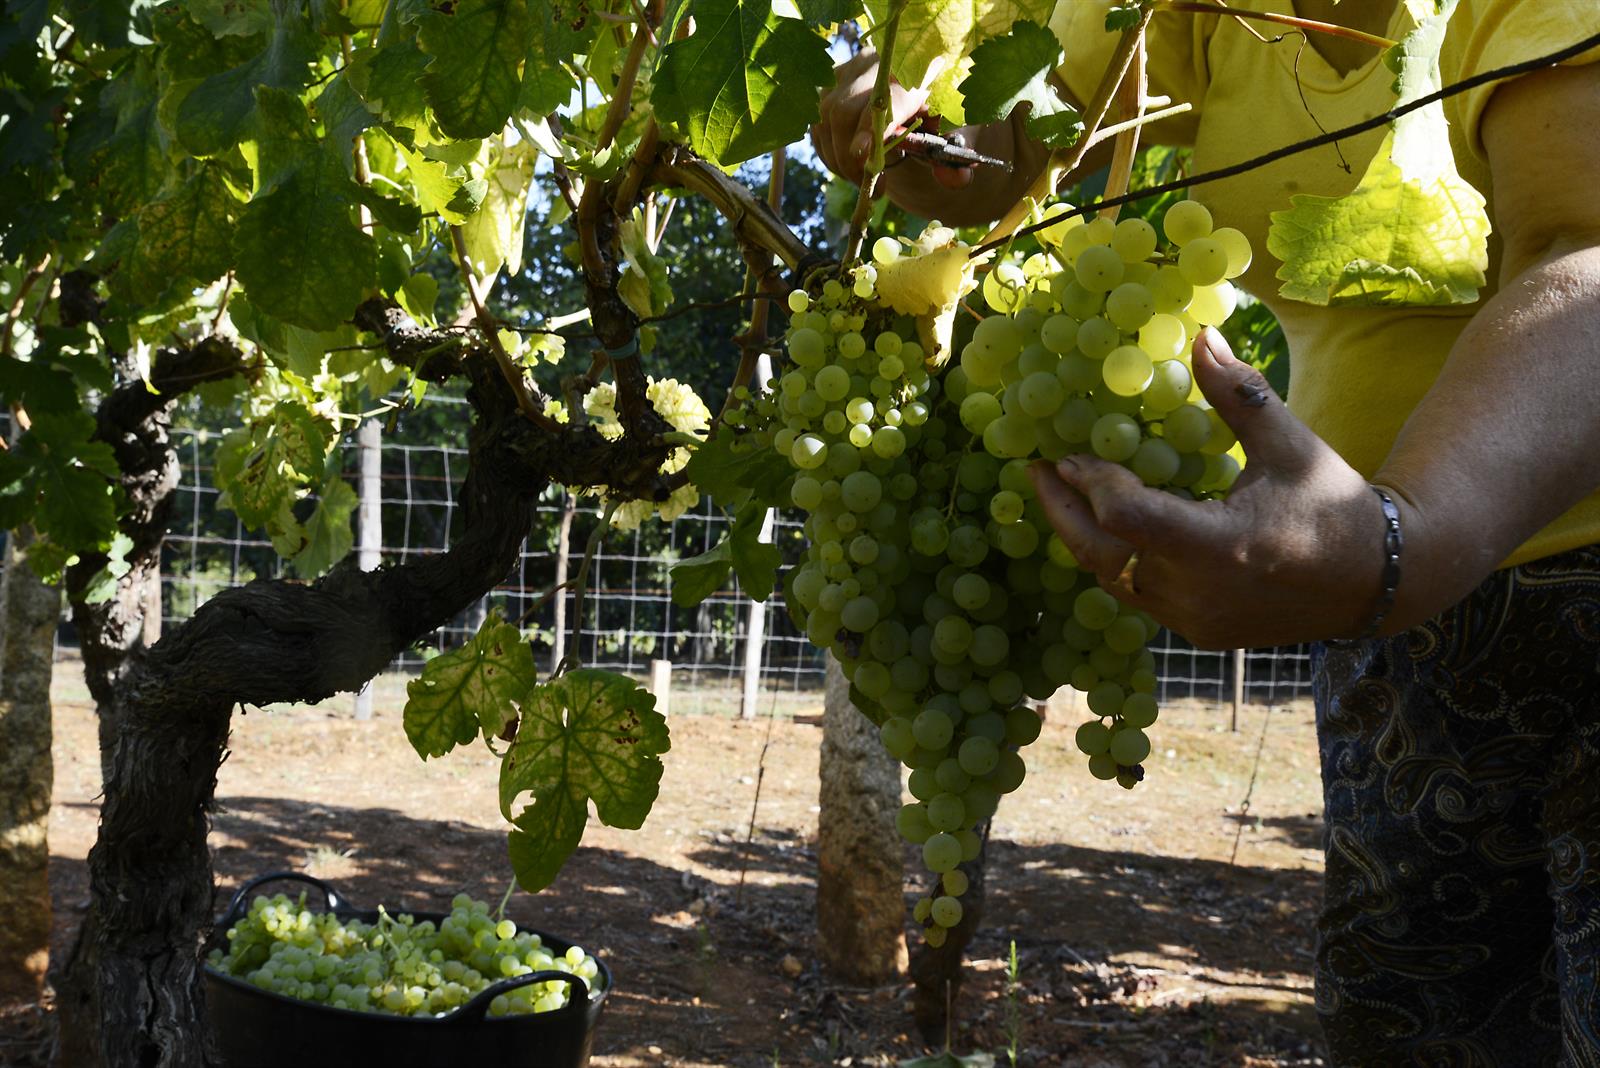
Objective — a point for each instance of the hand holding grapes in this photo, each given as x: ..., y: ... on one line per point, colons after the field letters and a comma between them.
x: 1289, y: 556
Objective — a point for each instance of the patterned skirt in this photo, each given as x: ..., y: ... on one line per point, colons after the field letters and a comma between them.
x: 1461, y: 776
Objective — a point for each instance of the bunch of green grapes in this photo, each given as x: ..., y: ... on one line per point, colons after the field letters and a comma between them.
x: 932, y: 573
x: 397, y: 965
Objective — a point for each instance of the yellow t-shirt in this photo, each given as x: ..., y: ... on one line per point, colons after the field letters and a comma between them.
x: 1356, y: 373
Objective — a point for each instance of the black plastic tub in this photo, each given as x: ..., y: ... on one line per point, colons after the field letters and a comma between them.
x: 256, y: 1028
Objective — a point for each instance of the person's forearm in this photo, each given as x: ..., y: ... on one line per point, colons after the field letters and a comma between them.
x: 1507, y: 438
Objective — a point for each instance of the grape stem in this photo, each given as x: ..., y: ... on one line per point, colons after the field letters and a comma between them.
x: 881, y: 100
x: 574, y: 659
x: 530, y: 405
x: 1130, y: 98
x: 753, y: 340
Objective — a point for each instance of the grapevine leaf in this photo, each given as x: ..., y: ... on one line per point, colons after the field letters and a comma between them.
x: 185, y: 238
x: 587, y: 736
x: 473, y: 82
x: 929, y: 286
x: 731, y: 477
x: 469, y: 689
x: 38, y: 385
x: 103, y: 586
x: 1012, y: 70
x: 546, y: 82
x: 643, y: 286
x: 344, y: 115
x: 217, y: 112
x: 261, y: 470
x: 388, y: 79
x: 745, y: 82
x: 1121, y: 17
x: 327, y: 533
x: 756, y: 562
x: 791, y: 603
x: 395, y: 215
x: 1412, y: 232
x: 301, y: 256
x: 943, y: 31
x: 494, y: 235
x: 698, y: 577
x: 61, y: 479
x: 240, y: 17
x: 454, y: 196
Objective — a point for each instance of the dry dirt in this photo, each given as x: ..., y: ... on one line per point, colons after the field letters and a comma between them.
x: 1142, y: 940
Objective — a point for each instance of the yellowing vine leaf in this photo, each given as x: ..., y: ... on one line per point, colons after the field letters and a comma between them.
x: 928, y: 283
x: 1412, y: 232
x: 587, y: 736
x: 468, y: 689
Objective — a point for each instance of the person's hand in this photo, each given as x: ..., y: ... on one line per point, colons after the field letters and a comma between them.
x: 1293, y: 554
x: 843, y: 133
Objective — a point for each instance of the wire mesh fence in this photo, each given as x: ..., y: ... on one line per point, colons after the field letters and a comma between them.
x: 628, y: 618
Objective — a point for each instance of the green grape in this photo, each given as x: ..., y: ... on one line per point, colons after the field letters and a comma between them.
x: 1154, y: 461
x: 1005, y: 688
x: 885, y: 251
x: 1039, y: 394
x: 912, y: 823
x: 832, y: 382
x: 1005, y: 507
x: 989, y: 645
x: 1004, y: 287
x: 1129, y: 746
x: 923, y: 783
x: 1185, y: 221
x: 1163, y: 337
x: 1009, y: 773
x: 1022, y: 726
x: 1221, y: 473
x: 1169, y: 386
x: 1114, y: 436
x: 978, y: 756
x: 1098, y: 269
x: 889, y: 345
x: 1059, y: 334
x: 1221, y: 438
x: 941, y: 852
x: 1076, y: 420
x: 1009, y: 436
x: 951, y: 778
x: 1139, y: 710
x: 1125, y: 635
x: 1097, y: 337
x: 978, y: 410
x: 1103, y: 766
x: 861, y: 491
x: 945, y: 812
x: 1237, y: 246
x: 888, y: 442
x: 1213, y: 304
x: 897, y: 737
x: 1130, y: 306
x: 1203, y: 262
x: 971, y: 845
x: 806, y: 347
x: 971, y: 591
x: 1105, y: 698
x: 1134, y: 240
x: 798, y: 300
x: 1127, y: 371
x: 1077, y: 373
x: 806, y: 493
x: 1187, y: 428
x: 955, y: 882
x: 932, y: 728
x: 860, y: 614
x: 860, y: 435
x: 809, y: 452
x: 1170, y: 290
x: 946, y: 911
x: 1094, y: 609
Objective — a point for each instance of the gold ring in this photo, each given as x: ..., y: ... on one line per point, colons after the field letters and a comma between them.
x: 1125, y: 576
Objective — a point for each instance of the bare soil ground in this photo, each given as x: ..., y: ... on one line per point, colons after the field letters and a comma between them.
x: 1142, y: 939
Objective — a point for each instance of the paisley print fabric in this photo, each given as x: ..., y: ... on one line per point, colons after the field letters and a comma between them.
x: 1461, y: 775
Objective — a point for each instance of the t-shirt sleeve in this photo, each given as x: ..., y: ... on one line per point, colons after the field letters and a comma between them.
x: 1175, y: 63
x: 1485, y: 34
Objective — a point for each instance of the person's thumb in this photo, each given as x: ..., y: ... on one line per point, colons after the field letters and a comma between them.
x: 1246, y: 402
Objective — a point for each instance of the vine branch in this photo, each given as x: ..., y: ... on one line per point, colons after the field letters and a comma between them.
x: 528, y: 403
